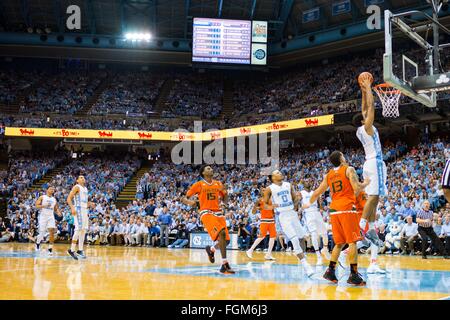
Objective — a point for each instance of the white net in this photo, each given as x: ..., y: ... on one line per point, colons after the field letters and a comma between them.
x: 390, y: 99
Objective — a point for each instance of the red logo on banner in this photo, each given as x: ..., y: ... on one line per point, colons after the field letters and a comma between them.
x: 181, y: 136
x: 245, y: 130
x: 25, y: 132
x: 276, y: 126
x: 66, y: 133
x: 215, y: 135
x: 144, y: 135
x: 105, y: 134
x: 312, y: 122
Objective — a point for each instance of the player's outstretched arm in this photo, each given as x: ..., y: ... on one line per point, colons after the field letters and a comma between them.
x: 295, y: 198
x: 39, y: 203
x: 58, y: 211
x: 266, y: 197
x: 72, y: 194
x: 224, y: 193
x: 255, y: 207
x: 316, y: 194
x: 354, y: 181
x: 187, y: 201
x: 368, y: 108
x: 191, y: 192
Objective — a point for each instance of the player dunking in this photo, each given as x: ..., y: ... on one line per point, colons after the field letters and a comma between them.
x: 79, y: 209
x: 48, y: 205
x: 285, y: 202
x: 374, y: 167
x: 343, y: 183
x: 267, y: 226
x: 209, y: 193
x: 315, y: 224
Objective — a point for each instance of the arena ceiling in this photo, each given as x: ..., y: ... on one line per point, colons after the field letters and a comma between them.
x: 173, y: 18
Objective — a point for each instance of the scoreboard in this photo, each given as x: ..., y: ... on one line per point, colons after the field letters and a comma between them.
x: 229, y: 41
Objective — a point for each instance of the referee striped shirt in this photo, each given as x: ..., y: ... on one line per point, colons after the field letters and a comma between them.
x: 422, y: 214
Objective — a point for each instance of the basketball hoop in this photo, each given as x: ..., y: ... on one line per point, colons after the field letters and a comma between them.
x: 390, y: 98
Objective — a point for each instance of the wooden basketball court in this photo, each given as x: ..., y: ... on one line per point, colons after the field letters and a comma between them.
x: 149, y: 273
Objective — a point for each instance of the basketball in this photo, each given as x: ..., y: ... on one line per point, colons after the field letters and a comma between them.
x: 363, y: 75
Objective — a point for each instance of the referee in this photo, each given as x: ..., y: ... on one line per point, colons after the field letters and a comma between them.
x: 424, y: 220
x: 445, y: 181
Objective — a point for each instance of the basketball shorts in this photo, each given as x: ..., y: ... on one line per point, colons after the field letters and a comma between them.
x: 81, y: 220
x: 445, y: 181
x: 268, y: 228
x: 314, y: 222
x: 345, y: 227
x: 214, y: 223
x: 375, y: 170
x: 46, y: 221
x: 290, y: 224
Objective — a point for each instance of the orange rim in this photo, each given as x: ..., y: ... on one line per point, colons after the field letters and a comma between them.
x: 387, y: 86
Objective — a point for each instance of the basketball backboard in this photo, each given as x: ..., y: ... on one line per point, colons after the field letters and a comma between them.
x: 409, y: 64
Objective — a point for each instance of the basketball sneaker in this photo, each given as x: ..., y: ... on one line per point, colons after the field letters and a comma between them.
x: 249, y: 254
x: 330, y: 275
x: 72, y: 254
x: 226, y: 269
x: 210, y: 254
x: 356, y: 279
x: 372, y: 236
x: 37, y: 247
x: 268, y: 257
x: 374, y: 268
x: 50, y: 252
x: 81, y: 254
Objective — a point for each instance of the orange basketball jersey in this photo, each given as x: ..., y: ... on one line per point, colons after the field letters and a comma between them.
x: 208, y: 194
x: 342, y: 194
x: 265, y: 214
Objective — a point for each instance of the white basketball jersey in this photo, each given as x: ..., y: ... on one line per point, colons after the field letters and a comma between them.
x: 81, y: 198
x: 281, y: 195
x: 371, y: 144
x: 49, y: 204
x: 306, y: 196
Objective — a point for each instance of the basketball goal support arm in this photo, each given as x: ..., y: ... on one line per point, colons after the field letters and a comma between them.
x: 394, y: 19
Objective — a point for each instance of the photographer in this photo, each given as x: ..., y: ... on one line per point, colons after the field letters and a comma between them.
x: 244, y: 232
x: 181, y: 238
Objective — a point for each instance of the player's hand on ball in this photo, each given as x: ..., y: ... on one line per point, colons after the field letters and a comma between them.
x: 365, y: 80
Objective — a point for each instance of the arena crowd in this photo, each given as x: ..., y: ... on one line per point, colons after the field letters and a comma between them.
x: 158, y: 218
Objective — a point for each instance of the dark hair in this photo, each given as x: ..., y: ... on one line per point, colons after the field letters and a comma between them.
x: 202, y: 168
x: 357, y: 118
x: 335, y: 158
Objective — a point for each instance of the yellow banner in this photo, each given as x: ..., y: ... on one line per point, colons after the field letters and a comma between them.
x: 170, y: 136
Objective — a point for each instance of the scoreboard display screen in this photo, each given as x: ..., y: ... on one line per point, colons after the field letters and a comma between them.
x: 229, y: 41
